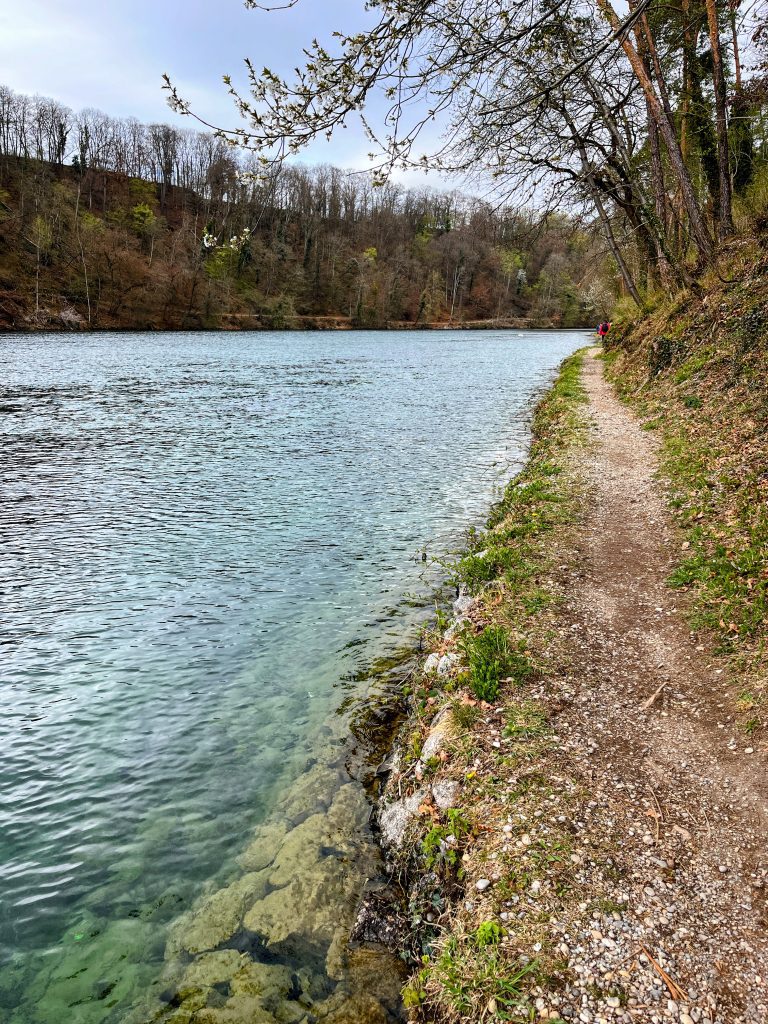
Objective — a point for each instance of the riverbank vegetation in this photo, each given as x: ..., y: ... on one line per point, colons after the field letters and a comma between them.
x: 480, y: 729
x: 111, y: 223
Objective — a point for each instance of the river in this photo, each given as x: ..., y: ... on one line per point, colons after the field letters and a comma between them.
x: 206, y: 538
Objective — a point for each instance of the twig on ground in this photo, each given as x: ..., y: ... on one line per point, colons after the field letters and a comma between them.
x: 677, y: 993
x: 653, y: 698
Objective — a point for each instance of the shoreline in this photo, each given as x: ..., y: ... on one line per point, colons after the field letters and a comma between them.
x: 242, y: 931
x: 307, y: 324
x: 423, y: 832
x: 569, y: 837
x: 358, y: 909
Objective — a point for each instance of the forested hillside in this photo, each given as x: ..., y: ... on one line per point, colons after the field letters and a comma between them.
x: 647, y: 121
x: 107, y: 223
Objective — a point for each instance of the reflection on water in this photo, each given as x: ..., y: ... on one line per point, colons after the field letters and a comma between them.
x: 202, y: 535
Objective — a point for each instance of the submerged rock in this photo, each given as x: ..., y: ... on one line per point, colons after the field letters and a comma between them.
x: 217, y: 918
x: 262, y: 849
x: 210, y: 969
x: 96, y: 965
x: 380, y: 920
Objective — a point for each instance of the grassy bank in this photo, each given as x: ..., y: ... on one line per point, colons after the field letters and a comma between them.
x: 697, y: 371
x: 480, y: 733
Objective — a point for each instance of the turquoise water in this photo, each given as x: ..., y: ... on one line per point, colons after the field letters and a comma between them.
x: 204, y: 538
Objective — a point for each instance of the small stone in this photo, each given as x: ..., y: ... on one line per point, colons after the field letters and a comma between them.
x: 614, y: 1002
x: 749, y: 750
x: 686, y: 1019
x: 648, y: 839
x: 464, y: 604
x: 446, y: 663
x: 482, y: 884
x: 430, y: 665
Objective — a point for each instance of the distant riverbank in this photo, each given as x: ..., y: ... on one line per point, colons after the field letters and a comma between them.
x: 61, y: 323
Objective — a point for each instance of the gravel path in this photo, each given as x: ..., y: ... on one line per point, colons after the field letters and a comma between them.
x: 646, y: 715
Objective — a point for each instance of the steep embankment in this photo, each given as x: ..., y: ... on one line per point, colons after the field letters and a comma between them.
x: 588, y: 815
x: 697, y: 372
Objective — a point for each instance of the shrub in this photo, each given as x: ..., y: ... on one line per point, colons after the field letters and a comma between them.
x: 490, y: 658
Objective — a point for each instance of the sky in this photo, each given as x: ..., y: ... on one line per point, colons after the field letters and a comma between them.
x: 111, y: 54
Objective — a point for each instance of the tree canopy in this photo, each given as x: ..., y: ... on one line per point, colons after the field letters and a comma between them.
x: 645, y: 122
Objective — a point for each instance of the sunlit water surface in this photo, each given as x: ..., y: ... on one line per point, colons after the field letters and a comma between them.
x: 204, y: 538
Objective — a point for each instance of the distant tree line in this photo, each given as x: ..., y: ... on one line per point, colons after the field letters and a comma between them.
x: 118, y: 223
x: 648, y: 120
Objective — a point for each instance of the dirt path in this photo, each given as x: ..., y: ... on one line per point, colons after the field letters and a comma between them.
x: 648, y: 713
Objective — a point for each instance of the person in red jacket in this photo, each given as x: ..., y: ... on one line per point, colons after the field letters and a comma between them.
x: 602, y: 329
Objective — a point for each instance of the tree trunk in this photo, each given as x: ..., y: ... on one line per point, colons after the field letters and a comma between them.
x: 733, y: 5
x: 644, y: 46
x: 667, y: 131
x: 725, y: 220
x: 594, y: 190
x: 613, y: 245
x: 635, y: 202
x: 82, y: 251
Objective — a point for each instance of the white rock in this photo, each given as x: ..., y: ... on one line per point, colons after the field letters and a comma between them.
x: 444, y: 793
x: 464, y: 604
x: 430, y: 665
x: 439, y: 733
x: 482, y: 884
x: 446, y: 663
x: 395, y: 817
x: 455, y: 626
